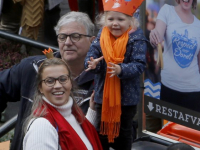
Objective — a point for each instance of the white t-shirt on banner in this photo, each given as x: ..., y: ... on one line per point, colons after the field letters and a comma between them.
x: 181, y: 47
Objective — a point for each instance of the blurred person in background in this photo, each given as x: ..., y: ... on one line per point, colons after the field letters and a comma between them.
x: 180, y: 78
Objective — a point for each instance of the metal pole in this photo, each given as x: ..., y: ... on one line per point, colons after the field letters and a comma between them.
x: 9, y: 125
x: 26, y: 41
x: 141, y: 115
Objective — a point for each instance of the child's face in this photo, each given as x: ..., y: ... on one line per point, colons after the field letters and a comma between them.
x: 117, y: 23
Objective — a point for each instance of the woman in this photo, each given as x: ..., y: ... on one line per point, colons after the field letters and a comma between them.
x: 180, y: 77
x: 56, y: 122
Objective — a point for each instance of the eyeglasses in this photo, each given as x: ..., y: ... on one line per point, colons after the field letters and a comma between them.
x: 50, y: 81
x: 74, y: 37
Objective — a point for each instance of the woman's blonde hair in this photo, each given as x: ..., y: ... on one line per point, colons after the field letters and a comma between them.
x: 101, y: 20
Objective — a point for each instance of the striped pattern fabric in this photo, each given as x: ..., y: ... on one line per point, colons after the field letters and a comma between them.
x: 152, y: 89
x: 32, y: 17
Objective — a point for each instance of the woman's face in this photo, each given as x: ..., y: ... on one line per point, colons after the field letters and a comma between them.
x: 186, y: 4
x: 58, y: 94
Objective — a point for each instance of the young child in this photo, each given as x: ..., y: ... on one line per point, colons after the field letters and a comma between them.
x: 117, y: 56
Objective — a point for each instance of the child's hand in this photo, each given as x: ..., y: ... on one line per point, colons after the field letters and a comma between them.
x: 93, y: 63
x: 115, y: 69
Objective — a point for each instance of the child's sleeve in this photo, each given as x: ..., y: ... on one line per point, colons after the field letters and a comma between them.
x: 94, y: 52
x: 137, y: 63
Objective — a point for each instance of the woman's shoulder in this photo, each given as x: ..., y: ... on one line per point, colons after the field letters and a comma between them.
x: 40, y: 135
x: 39, y: 124
x: 166, y: 12
x: 167, y: 7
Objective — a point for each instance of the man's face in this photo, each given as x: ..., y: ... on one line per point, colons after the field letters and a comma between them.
x: 74, y: 52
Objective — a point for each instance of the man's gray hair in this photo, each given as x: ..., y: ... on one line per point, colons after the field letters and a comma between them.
x: 78, y: 17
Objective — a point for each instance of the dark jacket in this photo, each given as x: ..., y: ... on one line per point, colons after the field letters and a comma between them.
x: 132, y: 67
x: 17, y: 84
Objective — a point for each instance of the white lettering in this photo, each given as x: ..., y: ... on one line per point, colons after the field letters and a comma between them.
x: 170, y: 112
x: 181, y: 117
x: 187, y: 117
x: 175, y: 111
x: 179, y: 53
x: 164, y: 110
x: 177, y: 115
x: 158, y: 108
x: 198, y: 123
x: 182, y: 44
x: 193, y: 119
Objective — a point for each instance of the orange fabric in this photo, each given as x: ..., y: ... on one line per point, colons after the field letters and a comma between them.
x: 113, y: 51
x: 124, y: 6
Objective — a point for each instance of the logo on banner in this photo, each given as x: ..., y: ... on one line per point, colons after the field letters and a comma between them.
x: 184, y: 48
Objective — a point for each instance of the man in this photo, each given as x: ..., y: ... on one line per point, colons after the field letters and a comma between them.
x: 74, y: 31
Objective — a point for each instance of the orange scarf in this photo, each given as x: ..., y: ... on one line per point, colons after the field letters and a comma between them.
x: 113, y: 51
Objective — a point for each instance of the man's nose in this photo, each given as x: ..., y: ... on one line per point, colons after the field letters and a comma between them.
x: 68, y: 41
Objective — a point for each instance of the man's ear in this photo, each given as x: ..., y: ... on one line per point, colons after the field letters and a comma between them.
x: 92, y: 38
